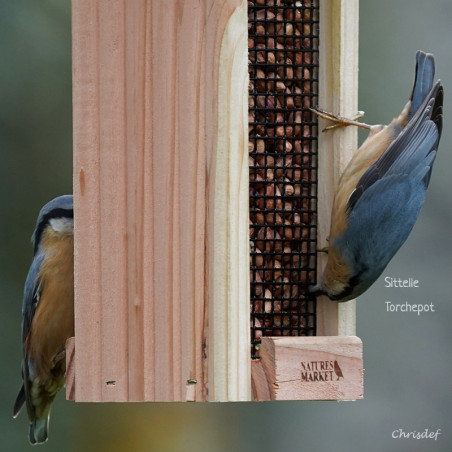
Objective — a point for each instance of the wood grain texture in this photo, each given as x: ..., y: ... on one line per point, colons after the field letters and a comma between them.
x: 260, y: 386
x: 309, y: 368
x: 338, y: 93
x: 228, y: 220
x: 160, y: 188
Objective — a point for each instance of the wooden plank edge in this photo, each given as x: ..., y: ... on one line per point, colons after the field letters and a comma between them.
x: 229, y: 373
x: 338, y: 93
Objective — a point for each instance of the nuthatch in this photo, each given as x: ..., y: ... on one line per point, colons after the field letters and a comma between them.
x: 47, y: 314
x: 382, y: 190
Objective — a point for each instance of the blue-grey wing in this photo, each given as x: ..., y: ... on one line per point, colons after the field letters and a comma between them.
x: 32, y: 292
x: 383, y: 218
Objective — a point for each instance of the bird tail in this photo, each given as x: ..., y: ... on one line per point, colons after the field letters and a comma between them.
x: 39, y: 428
x: 38, y: 432
x: 423, y: 83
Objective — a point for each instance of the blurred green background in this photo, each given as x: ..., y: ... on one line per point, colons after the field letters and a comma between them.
x: 408, y: 366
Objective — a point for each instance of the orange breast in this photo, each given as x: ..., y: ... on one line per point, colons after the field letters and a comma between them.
x: 53, y: 322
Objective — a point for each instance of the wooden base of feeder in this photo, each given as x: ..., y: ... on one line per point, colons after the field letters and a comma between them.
x: 291, y: 368
x: 309, y: 368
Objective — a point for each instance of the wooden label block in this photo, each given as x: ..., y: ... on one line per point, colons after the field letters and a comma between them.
x: 309, y: 368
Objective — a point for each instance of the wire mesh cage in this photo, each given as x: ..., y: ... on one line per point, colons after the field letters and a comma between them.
x: 283, y: 67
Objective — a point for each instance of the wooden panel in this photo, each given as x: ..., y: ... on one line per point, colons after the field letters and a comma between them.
x: 309, y: 368
x: 338, y: 93
x: 228, y: 222
x: 160, y: 170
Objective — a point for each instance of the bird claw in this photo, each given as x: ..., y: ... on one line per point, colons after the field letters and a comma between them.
x: 59, y: 357
x: 340, y: 121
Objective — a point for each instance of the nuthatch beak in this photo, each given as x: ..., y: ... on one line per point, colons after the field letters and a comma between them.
x: 47, y: 314
x: 382, y: 190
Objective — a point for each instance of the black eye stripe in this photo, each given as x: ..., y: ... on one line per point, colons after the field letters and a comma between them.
x: 55, y: 213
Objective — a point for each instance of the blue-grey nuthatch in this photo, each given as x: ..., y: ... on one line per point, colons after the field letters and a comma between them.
x: 382, y: 190
x: 47, y: 314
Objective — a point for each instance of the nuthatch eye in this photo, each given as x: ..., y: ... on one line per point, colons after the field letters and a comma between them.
x: 47, y: 314
x: 382, y: 190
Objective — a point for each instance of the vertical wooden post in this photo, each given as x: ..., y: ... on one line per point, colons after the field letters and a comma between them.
x: 160, y: 170
x: 228, y: 223
x: 338, y: 93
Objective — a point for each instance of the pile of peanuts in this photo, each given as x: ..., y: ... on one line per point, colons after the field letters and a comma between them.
x: 282, y: 165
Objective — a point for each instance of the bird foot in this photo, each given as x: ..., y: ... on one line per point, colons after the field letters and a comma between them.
x: 323, y: 250
x: 59, y: 357
x: 340, y: 121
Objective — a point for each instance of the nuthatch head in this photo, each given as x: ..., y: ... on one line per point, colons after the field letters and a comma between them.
x: 382, y: 190
x: 47, y: 314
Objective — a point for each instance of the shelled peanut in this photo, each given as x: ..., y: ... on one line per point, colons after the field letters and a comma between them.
x: 281, y: 164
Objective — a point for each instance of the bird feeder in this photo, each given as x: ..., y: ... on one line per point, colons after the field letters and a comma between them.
x: 202, y: 192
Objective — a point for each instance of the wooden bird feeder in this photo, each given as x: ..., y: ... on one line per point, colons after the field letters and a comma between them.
x: 172, y: 208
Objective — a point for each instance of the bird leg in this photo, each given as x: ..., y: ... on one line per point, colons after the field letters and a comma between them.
x: 340, y: 121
